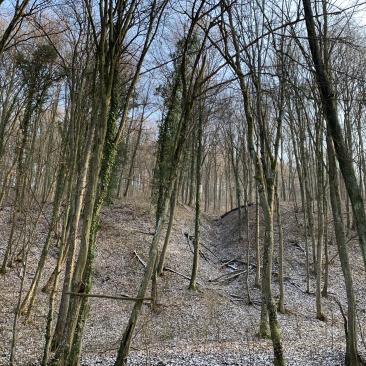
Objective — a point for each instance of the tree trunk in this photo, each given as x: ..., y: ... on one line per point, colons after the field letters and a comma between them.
x: 197, y: 223
x: 173, y: 201
x: 281, y: 301
x: 257, y: 242
x: 330, y: 111
x: 351, y: 333
x: 319, y: 248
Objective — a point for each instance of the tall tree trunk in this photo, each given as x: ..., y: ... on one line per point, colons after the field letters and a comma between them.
x: 330, y: 111
x: 352, y: 358
x: 319, y: 248
x: 173, y: 201
x: 257, y: 280
x: 20, y: 174
x: 64, y: 355
x: 133, y: 157
x: 267, y: 279
x: 197, y: 223
x: 127, y: 336
x: 281, y: 301
x: 71, y: 243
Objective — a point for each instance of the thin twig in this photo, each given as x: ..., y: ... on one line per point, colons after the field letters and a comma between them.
x: 139, y: 258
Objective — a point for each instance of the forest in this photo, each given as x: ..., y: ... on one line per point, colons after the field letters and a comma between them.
x: 182, y: 182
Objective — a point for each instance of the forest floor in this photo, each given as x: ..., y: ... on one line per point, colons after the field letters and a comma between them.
x: 213, y: 326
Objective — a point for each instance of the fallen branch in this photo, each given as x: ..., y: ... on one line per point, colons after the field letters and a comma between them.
x: 190, y: 239
x: 239, y: 298
x: 168, y: 269
x: 344, y: 316
x: 295, y: 285
x: 143, y: 232
x: 331, y: 260
x: 239, y: 261
x: 298, y: 246
x: 101, y: 296
x: 191, y: 248
x: 206, y: 247
x: 235, y: 209
x: 228, y: 276
x: 139, y: 258
x: 231, y: 266
x: 227, y: 262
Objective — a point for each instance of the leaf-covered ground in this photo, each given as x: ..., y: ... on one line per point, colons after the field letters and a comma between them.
x: 213, y: 326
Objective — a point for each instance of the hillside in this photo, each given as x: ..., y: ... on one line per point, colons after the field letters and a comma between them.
x: 214, y: 326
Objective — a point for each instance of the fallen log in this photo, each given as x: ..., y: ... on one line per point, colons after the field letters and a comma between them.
x: 102, y: 296
x: 235, y: 209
